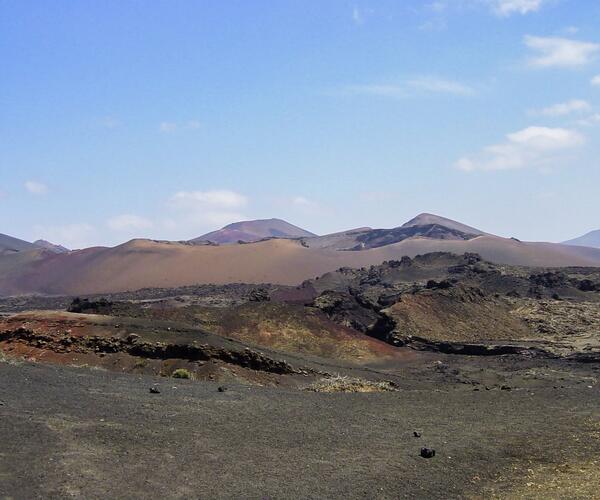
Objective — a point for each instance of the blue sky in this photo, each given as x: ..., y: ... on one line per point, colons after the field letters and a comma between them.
x: 167, y: 119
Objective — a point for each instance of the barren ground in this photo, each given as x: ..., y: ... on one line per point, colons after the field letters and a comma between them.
x: 495, y: 367
x: 85, y: 433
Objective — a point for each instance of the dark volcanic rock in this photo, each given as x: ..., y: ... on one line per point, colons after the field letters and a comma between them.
x: 345, y: 309
x: 427, y: 452
x: 442, y: 285
x: 588, y: 286
x: 549, y: 279
x: 259, y: 295
x: 101, y: 306
x: 381, y: 237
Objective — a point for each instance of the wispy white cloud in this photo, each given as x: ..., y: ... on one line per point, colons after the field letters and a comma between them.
x: 570, y: 30
x: 168, y: 127
x: 375, y: 196
x: 128, y: 222
x: 360, y: 15
x: 411, y: 87
x: 221, y: 199
x: 437, y: 7
x: 589, y: 121
x: 432, y: 84
x: 78, y: 235
x: 595, y: 81
x: 564, y: 108
x: 437, y: 23
x: 216, y: 207
x: 109, y: 122
x: 357, y: 15
x: 301, y: 201
x: 36, y: 188
x: 530, y: 147
x: 560, y: 52
x: 505, y: 8
x: 186, y: 215
x: 307, y: 205
x: 500, y: 8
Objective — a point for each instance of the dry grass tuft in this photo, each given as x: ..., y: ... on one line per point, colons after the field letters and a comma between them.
x: 182, y: 373
x: 11, y: 361
x: 349, y: 384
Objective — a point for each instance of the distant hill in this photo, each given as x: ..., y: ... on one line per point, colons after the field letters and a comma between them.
x: 591, y: 239
x: 50, y: 246
x: 431, y: 219
x: 422, y: 226
x: 288, y: 257
x: 253, y: 230
x: 8, y: 244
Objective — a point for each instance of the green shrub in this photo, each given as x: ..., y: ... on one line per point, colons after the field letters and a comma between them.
x: 182, y: 373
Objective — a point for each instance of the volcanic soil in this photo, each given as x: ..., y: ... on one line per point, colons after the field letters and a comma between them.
x: 89, y: 433
x: 328, y: 389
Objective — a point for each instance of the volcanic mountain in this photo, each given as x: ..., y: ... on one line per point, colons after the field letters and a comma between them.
x: 51, y: 246
x: 8, y: 244
x: 426, y: 219
x: 253, y: 230
x: 276, y: 259
x: 422, y: 226
x: 591, y: 239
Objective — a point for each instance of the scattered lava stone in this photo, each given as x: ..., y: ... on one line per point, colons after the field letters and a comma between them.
x: 154, y: 390
x: 222, y: 389
x: 417, y: 434
x: 427, y: 452
x: 505, y: 388
x: 588, y: 286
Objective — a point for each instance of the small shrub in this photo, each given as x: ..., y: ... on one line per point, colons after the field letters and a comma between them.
x: 9, y: 360
x: 140, y: 363
x: 182, y: 373
x: 348, y: 384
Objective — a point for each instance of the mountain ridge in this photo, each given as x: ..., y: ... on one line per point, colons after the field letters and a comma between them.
x: 591, y: 239
x: 51, y: 246
x: 425, y: 218
x: 10, y: 244
x: 145, y: 263
x: 253, y: 230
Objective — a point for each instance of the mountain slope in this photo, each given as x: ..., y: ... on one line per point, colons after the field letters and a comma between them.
x: 253, y: 230
x: 591, y: 239
x: 279, y: 260
x: 143, y: 263
x: 8, y: 244
x: 426, y: 219
x: 422, y: 226
x: 50, y: 246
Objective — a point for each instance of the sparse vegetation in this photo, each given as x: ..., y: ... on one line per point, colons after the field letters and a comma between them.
x: 11, y: 361
x: 348, y: 384
x: 182, y: 373
x: 140, y: 363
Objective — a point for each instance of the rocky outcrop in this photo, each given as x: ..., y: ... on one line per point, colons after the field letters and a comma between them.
x: 64, y: 342
x: 381, y: 237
